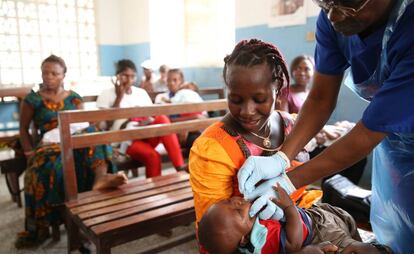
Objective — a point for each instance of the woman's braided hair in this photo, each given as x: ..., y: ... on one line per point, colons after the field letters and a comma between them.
x: 253, y: 52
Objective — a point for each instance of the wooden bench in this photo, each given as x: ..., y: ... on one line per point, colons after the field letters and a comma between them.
x: 210, y: 91
x: 216, y: 91
x: 137, y: 209
x: 13, y: 167
x: 125, y: 163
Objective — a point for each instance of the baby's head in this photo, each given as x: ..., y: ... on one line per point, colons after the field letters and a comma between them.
x: 225, y: 226
x: 190, y: 85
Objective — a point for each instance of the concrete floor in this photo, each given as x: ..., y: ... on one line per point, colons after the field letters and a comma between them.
x: 12, y: 222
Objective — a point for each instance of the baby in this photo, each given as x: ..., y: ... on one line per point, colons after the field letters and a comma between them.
x: 227, y: 227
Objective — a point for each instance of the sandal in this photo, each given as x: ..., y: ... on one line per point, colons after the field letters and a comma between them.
x: 27, y: 239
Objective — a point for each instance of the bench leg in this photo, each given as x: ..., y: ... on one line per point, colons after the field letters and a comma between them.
x: 12, y: 180
x: 73, y: 235
x: 135, y: 172
x: 55, y: 232
x: 102, y: 248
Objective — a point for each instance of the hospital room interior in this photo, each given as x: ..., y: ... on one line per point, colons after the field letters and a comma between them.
x: 141, y: 126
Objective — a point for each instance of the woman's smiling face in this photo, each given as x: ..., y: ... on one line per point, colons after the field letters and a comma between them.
x: 251, y: 94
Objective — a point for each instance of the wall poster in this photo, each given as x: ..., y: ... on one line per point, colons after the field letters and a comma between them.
x: 287, y: 12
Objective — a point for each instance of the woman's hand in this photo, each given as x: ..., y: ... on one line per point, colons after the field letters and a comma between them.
x: 29, y: 154
x: 325, y: 247
x: 119, y: 90
x: 165, y: 99
x: 360, y: 248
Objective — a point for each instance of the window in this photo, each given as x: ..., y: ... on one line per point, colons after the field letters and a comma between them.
x: 31, y: 30
x: 192, y: 32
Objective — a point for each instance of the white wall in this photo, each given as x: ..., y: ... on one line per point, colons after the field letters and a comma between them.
x: 135, y: 21
x: 121, y: 22
x: 251, y: 13
x: 108, y: 22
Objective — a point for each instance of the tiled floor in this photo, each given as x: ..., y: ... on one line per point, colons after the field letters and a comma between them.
x: 12, y: 219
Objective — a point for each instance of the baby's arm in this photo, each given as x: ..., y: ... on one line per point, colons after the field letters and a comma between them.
x: 294, y: 230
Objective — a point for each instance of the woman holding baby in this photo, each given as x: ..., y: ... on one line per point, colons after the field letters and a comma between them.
x: 253, y: 73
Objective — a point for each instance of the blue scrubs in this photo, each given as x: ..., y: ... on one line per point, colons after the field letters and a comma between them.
x: 382, y: 72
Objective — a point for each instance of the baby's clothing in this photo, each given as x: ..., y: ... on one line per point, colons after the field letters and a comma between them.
x: 53, y: 136
x: 331, y: 223
x: 320, y: 223
x: 125, y: 144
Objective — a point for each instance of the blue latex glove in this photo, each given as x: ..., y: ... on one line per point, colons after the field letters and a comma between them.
x: 257, y: 168
x: 262, y: 198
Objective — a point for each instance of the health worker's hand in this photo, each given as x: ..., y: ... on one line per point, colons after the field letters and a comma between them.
x: 257, y: 168
x: 264, y: 193
x: 262, y: 201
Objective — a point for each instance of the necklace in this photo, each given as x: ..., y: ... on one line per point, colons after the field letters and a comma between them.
x: 266, y: 140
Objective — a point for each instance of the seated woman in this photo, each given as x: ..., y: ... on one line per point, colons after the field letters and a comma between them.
x: 253, y: 73
x: 292, y: 99
x: 43, y: 185
x: 123, y: 94
x: 161, y: 84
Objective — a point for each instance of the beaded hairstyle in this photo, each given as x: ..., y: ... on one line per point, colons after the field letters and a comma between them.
x: 253, y: 52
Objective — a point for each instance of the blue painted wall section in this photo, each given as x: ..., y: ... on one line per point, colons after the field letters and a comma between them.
x: 110, y: 54
x: 291, y: 40
x: 138, y: 53
x: 204, y: 77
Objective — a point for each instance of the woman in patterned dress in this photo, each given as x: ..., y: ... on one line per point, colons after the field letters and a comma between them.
x: 43, y: 181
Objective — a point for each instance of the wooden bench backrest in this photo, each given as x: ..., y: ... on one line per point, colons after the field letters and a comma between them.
x: 90, y: 98
x: 69, y: 142
x: 219, y: 91
x: 204, y: 91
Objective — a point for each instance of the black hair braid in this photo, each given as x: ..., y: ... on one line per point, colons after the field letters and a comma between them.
x: 253, y: 52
